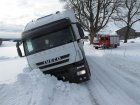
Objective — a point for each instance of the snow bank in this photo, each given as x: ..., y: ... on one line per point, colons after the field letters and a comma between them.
x: 21, y: 86
x: 35, y: 88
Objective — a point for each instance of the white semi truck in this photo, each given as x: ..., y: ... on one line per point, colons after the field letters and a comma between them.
x: 53, y: 44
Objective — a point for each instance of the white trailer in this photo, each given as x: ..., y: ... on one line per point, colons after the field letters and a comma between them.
x: 53, y: 44
x: 114, y: 40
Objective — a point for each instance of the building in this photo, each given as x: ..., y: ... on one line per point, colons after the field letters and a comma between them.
x: 132, y: 33
x: 137, y: 34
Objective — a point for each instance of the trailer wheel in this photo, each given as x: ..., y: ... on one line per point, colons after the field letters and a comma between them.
x: 96, y: 47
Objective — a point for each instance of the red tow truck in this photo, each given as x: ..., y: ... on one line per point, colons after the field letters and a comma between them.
x: 106, y: 41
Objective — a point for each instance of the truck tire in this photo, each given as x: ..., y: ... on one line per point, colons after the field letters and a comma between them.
x: 0, y: 42
x: 88, y: 69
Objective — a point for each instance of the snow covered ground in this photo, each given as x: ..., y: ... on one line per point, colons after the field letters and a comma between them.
x: 115, y: 79
x: 115, y: 74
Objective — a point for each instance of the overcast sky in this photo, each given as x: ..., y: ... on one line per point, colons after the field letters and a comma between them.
x: 15, y: 14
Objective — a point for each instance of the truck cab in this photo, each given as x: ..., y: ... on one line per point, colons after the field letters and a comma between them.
x: 53, y: 44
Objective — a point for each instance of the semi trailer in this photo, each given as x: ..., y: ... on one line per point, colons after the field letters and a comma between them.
x: 53, y: 44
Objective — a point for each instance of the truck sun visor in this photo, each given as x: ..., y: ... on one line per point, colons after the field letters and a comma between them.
x: 47, y: 28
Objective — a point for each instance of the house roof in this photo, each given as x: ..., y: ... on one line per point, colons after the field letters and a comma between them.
x: 124, y: 28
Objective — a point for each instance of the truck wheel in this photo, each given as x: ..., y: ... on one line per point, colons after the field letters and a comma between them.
x: 88, y: 69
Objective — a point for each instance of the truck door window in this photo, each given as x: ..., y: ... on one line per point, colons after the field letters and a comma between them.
x: 29, y: 45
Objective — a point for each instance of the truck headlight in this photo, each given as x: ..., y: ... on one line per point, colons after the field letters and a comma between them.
x: 82, y: 72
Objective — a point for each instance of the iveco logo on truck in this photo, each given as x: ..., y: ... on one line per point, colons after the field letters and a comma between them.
x: 53, y: 60
x: 53, y: 44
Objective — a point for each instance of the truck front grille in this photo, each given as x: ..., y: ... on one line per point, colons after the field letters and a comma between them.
x: 53, y: 62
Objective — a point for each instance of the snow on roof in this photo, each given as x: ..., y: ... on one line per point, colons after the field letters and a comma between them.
x: 107, y: 34
x: 51, y: 18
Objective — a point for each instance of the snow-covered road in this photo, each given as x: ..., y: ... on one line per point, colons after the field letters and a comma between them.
x: 115, y: 80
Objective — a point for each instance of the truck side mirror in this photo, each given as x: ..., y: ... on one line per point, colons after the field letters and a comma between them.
x: 0, y: 42
x: 81, y: 32
x: 18, y: 49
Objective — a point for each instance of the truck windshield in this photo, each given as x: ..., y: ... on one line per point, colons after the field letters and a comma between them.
x: 50, y: 40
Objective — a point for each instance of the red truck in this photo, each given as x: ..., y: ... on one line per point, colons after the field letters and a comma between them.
x: 106, y: 41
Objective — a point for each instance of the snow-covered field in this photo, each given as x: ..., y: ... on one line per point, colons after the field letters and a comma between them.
x: 115, y: 79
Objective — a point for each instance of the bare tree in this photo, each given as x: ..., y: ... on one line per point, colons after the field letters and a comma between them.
x: 128, y: 14
x: 93, y: 14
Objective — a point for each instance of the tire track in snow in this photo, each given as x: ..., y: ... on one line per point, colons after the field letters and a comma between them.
x: 123, y: 84
x: 91, y: 96
x: 98, y: 89
x: 103, y: 78
x: 124, y: 70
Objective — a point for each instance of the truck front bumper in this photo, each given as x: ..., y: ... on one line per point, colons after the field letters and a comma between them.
x: 76, y: 72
